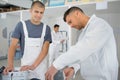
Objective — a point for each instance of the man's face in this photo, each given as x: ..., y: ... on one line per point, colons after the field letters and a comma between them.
x: 36, y: 13
x: 73, y: 19
x: 56, y: 29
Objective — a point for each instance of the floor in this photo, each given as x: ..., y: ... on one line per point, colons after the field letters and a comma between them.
x: 59, y: 76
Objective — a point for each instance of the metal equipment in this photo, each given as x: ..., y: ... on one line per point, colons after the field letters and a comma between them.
x: 16, y: 75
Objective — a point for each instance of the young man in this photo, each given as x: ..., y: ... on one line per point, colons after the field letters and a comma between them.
x: 94, y: 53
x: 34, y: 37
x: 57, y: 39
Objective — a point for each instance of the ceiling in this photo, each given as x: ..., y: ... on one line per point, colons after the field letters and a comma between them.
x: 4, y: 4
x: 12, y: 5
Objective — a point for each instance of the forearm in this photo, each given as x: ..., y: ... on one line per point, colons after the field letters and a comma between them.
x: 11, y: 53
x: 39, y: 59
x: 42, y: 54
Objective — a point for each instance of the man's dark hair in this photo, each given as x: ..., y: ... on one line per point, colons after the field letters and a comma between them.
x: 38, y: 3
x: 72, y: 9
x: 56, y: 25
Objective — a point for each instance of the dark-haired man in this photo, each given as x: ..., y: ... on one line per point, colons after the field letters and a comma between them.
x: 94, y: 53
x: 57, y: 39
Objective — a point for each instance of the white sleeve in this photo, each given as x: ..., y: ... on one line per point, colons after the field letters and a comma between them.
x: 92, y: 41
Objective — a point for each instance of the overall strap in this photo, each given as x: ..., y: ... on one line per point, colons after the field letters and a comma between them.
x: 25, y: 29
x: 43, y: 31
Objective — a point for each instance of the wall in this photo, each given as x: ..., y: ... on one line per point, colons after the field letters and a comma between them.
x: 7, y: 25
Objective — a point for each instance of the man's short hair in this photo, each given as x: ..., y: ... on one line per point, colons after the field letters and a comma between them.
x: 38, y: 3
x: 56, y: 25
x: 72, y: 9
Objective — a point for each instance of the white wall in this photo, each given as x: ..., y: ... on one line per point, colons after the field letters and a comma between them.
x: 8, y: 22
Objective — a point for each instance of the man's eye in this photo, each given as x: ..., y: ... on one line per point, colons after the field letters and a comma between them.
x: 69, y: 22
x: 36, y: 11
x: 41, y: 12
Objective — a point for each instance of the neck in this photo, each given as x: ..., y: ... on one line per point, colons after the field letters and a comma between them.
x: 35, y: 22
x: 86, y: 19
x: 55, y: 31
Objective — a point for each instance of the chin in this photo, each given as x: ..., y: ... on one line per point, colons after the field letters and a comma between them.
x: 37, y: 20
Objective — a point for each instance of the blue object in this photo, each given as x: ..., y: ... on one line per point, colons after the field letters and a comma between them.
x: 18, y: 55
x: 56, y: 2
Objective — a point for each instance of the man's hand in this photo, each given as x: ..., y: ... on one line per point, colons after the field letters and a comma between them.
x: 8, y: 69
x: 69, y: 72
x: 24, y: 68
x: 32, y: 67
x: 27, y: 67
x: 49, y: 75
x: 62, y: 41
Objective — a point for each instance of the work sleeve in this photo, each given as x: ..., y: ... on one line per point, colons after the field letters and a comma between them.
x: 93, y: 40
x: 17, y: 31
x: 48, y: 36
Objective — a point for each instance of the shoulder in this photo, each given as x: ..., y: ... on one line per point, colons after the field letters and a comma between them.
x: 47, y: 27
x: 99, y: 24
x: 19, y: 25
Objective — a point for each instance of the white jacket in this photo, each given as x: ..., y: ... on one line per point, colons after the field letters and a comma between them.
x: 95, y: 52
x: 56, y: 38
